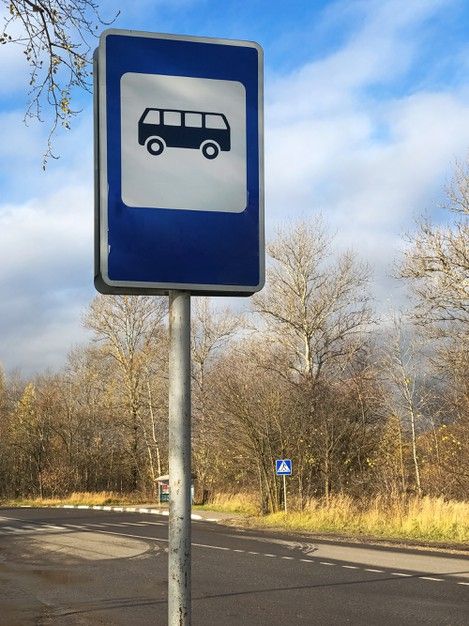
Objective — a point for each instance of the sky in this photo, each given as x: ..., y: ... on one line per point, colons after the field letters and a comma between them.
x: 366, y: 112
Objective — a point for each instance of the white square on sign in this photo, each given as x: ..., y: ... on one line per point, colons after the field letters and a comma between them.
x: 183, y: 143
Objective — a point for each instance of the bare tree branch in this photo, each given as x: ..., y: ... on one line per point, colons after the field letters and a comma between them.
x: 57, y: 37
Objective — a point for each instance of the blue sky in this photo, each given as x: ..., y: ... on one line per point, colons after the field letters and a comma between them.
x: 370, y: 98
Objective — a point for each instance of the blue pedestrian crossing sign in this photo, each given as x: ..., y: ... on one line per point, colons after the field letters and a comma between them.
x: 283, y: 467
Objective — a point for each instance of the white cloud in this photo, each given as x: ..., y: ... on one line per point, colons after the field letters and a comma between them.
x: 369, y: 164
x: 21, y: 150
x: 45, y: 276
x: 13, y: 70
x: 382, y: 48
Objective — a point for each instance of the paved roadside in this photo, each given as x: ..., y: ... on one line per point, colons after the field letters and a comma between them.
x: 240, y: 521
x: 208, y: 516
x: 83, y: 567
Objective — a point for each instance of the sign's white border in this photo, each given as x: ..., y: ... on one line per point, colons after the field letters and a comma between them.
x: 101, y: 194
x: 278, y: 464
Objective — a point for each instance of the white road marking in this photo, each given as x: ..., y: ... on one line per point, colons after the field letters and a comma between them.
x: 79, y: 526
x: 104, y: 524
x: 29, y: 528
x: 83, y: 527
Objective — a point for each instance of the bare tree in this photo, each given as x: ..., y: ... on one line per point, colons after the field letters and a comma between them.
x: 458, y: 191
x: 316, y: 313
x: 57, y: 38
x: 93, y: 438
x: 211, y: 330
x: 436, y: 265
x: 31, y: 433
x: 127, y: 328
x: 250, y: 404
x: 408, y: 399
x: 315, y: 308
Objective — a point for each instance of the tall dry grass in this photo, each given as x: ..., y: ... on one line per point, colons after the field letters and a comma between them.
x: 427, y: 519
x: 89, y: 498
x: 244, y: 503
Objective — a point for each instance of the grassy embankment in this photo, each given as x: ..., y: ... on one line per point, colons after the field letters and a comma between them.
x: 421, y: 519
x: 426, y: 519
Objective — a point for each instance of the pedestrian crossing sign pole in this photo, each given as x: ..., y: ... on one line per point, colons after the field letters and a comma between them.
x: 283, y: 467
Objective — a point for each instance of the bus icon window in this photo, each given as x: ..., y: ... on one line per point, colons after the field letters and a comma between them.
x: 159, y: 129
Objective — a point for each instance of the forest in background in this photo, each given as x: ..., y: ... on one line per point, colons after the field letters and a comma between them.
x: 365, y: 407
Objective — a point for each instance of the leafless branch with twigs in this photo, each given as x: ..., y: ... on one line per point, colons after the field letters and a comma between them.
x: 57, y: 37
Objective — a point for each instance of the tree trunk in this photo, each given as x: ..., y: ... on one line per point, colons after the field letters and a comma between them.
x: 414, y: 452
x: 135, y: 468
x: 401, y: 455
x: 153, y: 431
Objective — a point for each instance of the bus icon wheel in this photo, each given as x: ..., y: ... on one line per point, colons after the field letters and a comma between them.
x: 155, y: 145
x: 210, y: 149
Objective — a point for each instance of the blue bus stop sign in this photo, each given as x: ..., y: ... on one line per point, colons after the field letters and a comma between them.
x: 179, y: 165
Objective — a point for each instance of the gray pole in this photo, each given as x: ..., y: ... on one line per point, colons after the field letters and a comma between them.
x: 285, y: 493
x: 179, y: 555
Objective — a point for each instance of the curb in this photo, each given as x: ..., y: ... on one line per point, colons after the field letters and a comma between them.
x: 118, y: 509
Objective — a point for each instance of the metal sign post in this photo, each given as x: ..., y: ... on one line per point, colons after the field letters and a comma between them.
x: 179, y: 555
x: 179, y: 207
x: 284, y: 493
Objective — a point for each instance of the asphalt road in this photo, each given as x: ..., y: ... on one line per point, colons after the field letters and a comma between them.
x: 95, y: 567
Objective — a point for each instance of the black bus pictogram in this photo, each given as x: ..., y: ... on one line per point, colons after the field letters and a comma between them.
x: 173, y: 128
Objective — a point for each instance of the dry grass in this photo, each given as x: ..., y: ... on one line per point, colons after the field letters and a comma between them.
x: 244, y: 503
x: 424, y: 519
x: 89, y: 498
